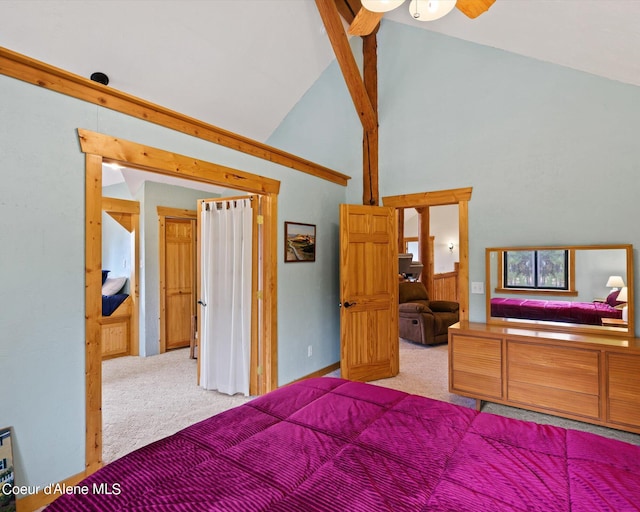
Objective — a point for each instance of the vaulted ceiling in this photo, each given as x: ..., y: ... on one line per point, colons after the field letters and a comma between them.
x: 243, y: 64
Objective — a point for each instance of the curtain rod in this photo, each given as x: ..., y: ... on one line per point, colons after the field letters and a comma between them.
x: 227, y: 200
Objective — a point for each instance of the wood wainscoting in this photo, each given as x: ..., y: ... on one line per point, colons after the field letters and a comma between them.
x: 445, y: 285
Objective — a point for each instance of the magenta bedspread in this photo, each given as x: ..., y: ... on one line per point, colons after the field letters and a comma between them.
x: 332, y: 445
x: 590, y: 313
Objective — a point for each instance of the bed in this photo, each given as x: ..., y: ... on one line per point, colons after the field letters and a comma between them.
x: 115, y: 322
x: 335, y: 445
x: 590, y: 313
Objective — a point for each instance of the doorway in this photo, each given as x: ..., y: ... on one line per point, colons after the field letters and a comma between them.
x: 119, y: 331
x: 177, y: 250
x: 422, y: 202
x: 100, y: 148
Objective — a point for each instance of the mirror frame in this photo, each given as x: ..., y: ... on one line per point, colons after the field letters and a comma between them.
x: 629, y: 331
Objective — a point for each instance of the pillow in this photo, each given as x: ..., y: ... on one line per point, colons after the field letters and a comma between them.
x: 113, y: 285
x: 612, y: 299
x: 105, y: 273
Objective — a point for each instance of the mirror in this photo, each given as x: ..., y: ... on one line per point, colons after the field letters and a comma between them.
x: 567, y: 288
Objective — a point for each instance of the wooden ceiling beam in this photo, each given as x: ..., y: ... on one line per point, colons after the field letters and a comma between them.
x: 338, y: 38
x: 24, y: 68
x: 348, y: 9
x: 365, y: 22
x: 474, y: 8
x: 370, y: 146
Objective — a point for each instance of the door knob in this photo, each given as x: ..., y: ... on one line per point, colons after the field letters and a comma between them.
x: 349, y: 304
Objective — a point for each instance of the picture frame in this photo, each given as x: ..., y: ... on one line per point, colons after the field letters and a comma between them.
x: 7, y: 501
x: 299, y: 242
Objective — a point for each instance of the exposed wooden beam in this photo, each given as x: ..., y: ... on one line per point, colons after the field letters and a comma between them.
x: 164, y: 162
x: 365, y: 22
x: 29, y: 70
x: 338, y: 38
x: 370, y: 146
x: 400, y: 213
x: 474, y: 8
x: 348, y: 9
x: 424, y: 247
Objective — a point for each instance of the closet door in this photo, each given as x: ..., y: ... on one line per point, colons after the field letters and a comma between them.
x: 178, y: 283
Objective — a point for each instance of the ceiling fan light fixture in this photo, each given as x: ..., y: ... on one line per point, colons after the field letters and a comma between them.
x: 429, y: 10
x: 381, y: 5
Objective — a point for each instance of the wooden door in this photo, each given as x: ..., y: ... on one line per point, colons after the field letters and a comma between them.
x: 368, y: 292
x: 179, y: 288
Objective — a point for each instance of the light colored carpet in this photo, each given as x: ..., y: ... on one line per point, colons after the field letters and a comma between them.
x: 424, y: 370
x: 145, y: 399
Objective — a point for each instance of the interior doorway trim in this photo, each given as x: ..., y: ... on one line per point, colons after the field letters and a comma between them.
x: 461, y: 197
x: 99, y: 148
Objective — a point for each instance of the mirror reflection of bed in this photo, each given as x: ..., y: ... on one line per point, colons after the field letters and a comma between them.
x: 596, y: 296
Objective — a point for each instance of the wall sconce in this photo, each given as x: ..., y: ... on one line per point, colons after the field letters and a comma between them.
x: 451, y: 247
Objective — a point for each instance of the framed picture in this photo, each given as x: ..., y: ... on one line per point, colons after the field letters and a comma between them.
x: 299, y: 242
x: 7, y: 498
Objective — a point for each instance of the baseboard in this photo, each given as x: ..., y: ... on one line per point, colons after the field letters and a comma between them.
x: 47, y: 494
x: 320, y: 373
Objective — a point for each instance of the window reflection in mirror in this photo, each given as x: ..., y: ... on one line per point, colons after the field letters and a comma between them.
x: 562, y: 288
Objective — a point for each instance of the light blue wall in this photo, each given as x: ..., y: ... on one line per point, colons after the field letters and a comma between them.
x: 154, y: 195
x: 42, y: 292
x: 552, y: 154
x: 324, y: 128
x: 42, y: 265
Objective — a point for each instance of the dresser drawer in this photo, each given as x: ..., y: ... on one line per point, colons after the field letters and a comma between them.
x: 476, y: 365
x: 556, y: 378
x: 623, y: 389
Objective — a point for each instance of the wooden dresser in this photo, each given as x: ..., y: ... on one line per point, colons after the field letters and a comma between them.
x: 585, y: 377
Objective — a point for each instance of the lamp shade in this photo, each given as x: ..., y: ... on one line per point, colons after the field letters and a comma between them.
x: 381, y: 5
x: 429, y: 10
x: 614, y: 282
x: 622, y: 296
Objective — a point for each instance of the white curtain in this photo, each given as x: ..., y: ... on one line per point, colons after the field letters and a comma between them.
x: 226, y: 234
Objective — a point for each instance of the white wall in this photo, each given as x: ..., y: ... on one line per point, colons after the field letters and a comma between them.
x: 443, y: 226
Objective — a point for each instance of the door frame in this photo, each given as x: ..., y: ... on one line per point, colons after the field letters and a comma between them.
x: 98, y: 149
x: 165, y: 212
x: 461, y: 197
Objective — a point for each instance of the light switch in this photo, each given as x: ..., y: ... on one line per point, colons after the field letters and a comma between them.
x: 477, y: 287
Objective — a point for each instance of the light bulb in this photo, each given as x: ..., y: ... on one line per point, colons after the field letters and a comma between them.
x: 429, y: 10
x: 381, y: 5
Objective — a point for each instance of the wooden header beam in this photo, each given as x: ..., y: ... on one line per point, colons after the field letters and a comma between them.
x: 172, y: 164
x: 29, y: 70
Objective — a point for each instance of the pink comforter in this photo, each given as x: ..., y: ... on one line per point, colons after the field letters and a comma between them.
x: 330, y: 444
x: 590, y: 313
